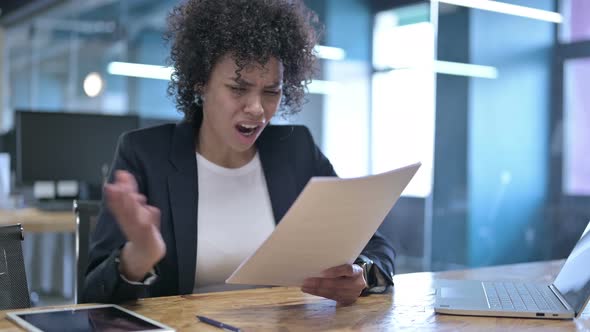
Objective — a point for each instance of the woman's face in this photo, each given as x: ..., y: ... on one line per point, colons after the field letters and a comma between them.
x: 237, y: 109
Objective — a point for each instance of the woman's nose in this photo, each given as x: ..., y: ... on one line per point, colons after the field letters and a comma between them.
x: 254, y: 107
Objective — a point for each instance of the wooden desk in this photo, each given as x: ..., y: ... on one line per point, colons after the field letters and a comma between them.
x: 35, y: 221
x: 287, y: 309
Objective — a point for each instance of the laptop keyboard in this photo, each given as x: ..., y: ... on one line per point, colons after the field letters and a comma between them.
x: 520, y: 296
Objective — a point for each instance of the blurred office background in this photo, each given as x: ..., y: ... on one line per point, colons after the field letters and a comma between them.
x: 488, y: 95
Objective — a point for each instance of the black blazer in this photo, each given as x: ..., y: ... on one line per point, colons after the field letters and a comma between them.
x: 163, y: 161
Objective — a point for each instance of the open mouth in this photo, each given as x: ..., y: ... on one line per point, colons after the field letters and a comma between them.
x: 247, y: 129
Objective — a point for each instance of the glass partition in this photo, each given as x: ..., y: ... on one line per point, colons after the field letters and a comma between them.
x: 489, y: 98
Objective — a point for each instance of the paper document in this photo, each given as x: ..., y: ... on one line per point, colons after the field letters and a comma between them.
x: 328, y: 225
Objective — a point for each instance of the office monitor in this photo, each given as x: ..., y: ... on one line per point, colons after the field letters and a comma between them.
x: 55, y: 146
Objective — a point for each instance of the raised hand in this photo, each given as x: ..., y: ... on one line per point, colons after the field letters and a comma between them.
x: 139, y: 222
x: 343, y: 283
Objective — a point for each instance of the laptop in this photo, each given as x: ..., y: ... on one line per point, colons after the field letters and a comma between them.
x: 565, y: 298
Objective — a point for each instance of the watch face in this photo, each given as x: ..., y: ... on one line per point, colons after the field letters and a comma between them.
x: 150, y: 278
x: 363, y: 265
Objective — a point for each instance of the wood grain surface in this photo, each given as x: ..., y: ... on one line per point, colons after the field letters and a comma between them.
x: 35, y: 221
x: 407, y: 307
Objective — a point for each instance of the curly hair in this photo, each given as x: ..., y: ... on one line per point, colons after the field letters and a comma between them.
x: 252, y: 31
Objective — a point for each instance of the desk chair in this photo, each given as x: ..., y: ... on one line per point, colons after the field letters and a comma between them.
x: 86, y: 218
x: 14, y: 290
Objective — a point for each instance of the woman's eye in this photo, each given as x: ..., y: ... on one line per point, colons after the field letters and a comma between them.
x: 273, y: 93
x: 238, y: 89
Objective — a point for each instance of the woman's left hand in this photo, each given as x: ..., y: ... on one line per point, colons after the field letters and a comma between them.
x: 343, y: 284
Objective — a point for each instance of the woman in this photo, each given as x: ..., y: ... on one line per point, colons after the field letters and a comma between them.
x: 187, y: 203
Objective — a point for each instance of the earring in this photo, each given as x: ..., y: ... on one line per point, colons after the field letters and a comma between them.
x: 198, y: 100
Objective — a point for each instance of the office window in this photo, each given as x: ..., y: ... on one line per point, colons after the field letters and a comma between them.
x: 576, y: 159
x: 576, y: 26
x: 403, y: 113
x: 49, y: 57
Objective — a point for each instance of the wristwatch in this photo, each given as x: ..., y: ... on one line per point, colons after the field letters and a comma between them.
x: 149, y: 279
x: 367, y: 265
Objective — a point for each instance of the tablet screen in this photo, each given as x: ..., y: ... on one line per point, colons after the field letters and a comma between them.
x: 106, y: 318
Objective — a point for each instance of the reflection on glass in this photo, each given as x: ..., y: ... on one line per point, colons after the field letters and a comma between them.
x: 576, y: 26
x: 88, y: 319
x: 573, y: 281
x: 48, y: 56
x: 576, y: 159
x: 403, y: 95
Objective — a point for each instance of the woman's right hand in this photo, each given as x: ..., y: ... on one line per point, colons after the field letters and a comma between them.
x: 139, y: 222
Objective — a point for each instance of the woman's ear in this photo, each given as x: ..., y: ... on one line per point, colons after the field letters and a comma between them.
x: 198, y: 89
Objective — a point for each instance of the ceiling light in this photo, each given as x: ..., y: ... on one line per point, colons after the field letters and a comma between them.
x: 506, y: 8
x: 93, y: 84
x: 465, y: 69
x: 329, y: 52
x: 139, y: 70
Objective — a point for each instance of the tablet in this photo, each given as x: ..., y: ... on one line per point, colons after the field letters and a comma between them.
x: 104, y: 317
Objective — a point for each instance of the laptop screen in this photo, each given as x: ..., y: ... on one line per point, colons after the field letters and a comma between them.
x: 573, y: 281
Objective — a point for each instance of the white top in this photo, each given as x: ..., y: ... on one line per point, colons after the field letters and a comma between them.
x: 234, y: 218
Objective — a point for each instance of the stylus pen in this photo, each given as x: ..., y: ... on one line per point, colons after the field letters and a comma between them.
x: 218, y: 324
